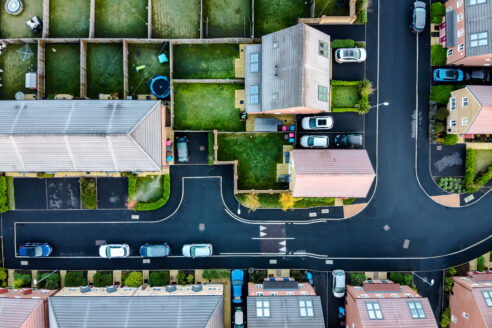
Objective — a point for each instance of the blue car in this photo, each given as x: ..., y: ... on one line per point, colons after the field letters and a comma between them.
x: 35, y: 250
x: 237, y: 277
x: 159, y: 250
x: 448, y: 75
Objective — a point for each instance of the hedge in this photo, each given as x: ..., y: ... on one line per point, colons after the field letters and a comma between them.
x: 481, y: 263
x: 143, y: 206
x: 159, y: 278
x: 441, y: 93
x: 75, y: 279
x: 211, y: 153
x: 52, y: 280
x: 88, y: 193
x: 340, y: 82
x: 22, y: 280
x: 446, y: 318
x: 438, y: 55
x: 357, y: 279
x: 10, y: 193
x: 342, y: 43
x: 348, y: 201
x: 3, y: 195
x: 132, y: 185
x: 344, y: 109
x: 471, y: 156
x: 437, y: 12
x: 361, y: 11
x: 134, y: 279
x: 102, y: 279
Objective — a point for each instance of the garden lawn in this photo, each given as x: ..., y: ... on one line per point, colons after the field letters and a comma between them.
x: 344, y: 96
x: 149, y: 188
x: 330, y: 8
x: 176, y: 19
x: 145, y: 54
x: 14, y: 71
x: 104, y: 69
x: 228, y: 18
x: 206, y: 107
x: 482, y: 161
x: 204, y: 61
x: 121, y: 18
x: 69, y: 19
x: 271, y: 16
x: 12, y: 27
x: 258, y: 155
x: 62, y: 69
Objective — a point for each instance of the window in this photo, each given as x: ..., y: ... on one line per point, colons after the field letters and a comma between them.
x: 262, y: 308
x: 460, y: 17
x: 479, y: 39
x: 461, y: 32
x: 416, y: 310
x: 255, y: 62
x: 374, y: 311
x: 273, y: 294
x: 275, y: 45
x: 306, y: 308
x: 322, y: 93
x: 465, y: 315
x: 452, y: 123
x: 452, y: 104
x: 259, y: 293
x: 449, y: 8
x: 259, y: 286
x: 477, y: 2
x: 290, y: 294
x: 464, y: 101
x: 324, y: 49
x: 460, y: 3
x: 254, y: 94
x: 450, y: 52
x: 464, y: 121
x: 304, y: 293
x: 461, y: 47
x: 487, y: 294
x: 454, y: 319
x: 300, y: 286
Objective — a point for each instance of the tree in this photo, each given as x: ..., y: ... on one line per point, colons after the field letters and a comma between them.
x: 181, y: 278
x: 134, y: 279
x: 357, y: 278
x: 450, y: 139
x: 396, y: 277
x: 442, y: 114
x: 252, y: 201
x: 287, y: 201
x: 437, y: 11
x: 258, y: 276
x: 75, y: 279
x: 190, y: 279
x: 158, y: 278
x: 102, y: 279
x: 439, y: 127
x: 48, y: 280
x: 18, y: 283
x: 408, y: 279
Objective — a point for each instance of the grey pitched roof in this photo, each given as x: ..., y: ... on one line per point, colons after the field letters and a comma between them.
x: 134, y: 312
x: 80, y: 135
x: 478, y: 19
x: 280, y: 285
x: 285, y: 312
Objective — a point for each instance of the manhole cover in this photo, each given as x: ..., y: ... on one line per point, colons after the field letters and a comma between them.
x: 202, y: 148
x: 201, y: 226
x: 100, y: 242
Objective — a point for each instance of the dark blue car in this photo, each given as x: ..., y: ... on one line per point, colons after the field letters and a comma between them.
x: 448, y: 75
x: 35, y: 250
x: 237, y: 277
x: 159, y: 250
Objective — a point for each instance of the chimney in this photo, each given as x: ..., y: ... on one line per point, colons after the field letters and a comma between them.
x: 26, y: 291
x: 381, y: 286
x: 170, y: 288
x: 4, y: 290
x: 111, y: 289
x: 196, y: 288
x: 85, y: 289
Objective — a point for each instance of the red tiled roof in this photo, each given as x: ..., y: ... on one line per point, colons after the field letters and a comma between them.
x: 378, y: 286
x: 332, y: 173
x: 484, y: 309
x: 482, y: 276
x: 482, y: 123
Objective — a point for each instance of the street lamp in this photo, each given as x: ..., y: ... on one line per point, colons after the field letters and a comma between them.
x: 238, y: 207
x: 36, y: 281
x: 380, y: 104
x: 431, y: 283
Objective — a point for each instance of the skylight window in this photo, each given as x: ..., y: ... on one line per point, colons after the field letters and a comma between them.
x: 262, y: 308
x: 374, y: 311
x: 487, y: 295
x: 306, y: 308
x: 416, y: 310
x: 255, y: 62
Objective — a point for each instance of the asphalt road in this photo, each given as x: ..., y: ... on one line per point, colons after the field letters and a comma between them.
x: 202, y: 207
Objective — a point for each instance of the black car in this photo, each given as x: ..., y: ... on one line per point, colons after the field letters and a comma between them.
x: 480, y: 75
x: 348, y: 140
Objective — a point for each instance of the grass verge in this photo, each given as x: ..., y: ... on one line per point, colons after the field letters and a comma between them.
x: 330, y: 8
x: 344, y: 96
x: 104, y: 69
x: 273, y: 201
x: 62, y: 69
x: 138, y: 186
x: 69, y: 19
x: 483, y: 160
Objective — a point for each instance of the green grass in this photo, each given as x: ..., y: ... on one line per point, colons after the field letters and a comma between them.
x: 104, y: 69
x: 228, y: 18
x: 12, y: 27
x: 344, y: 96
x: 62, y: 69
x: 176, y: 19
x: 482, y: 161
x: 14, y: 71
x: 69, y: 19
x: 88, y: 192
x: 206, y: 107
x: 271, y: 16
x: 207, y: 61
x: 149, y: 188
x: 439, y: 55
x: 258, y: 155
x: 314, y: 202
x: 121, y: 18
x: 330, y: 8
x: 273, y: 201
x: 145, y: 54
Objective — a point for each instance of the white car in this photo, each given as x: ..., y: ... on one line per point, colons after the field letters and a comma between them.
x: 338, y: 283
x: 317, y: 123
x: 350, y: 55
x: 314, y: 141
x: 110, y: 251
x: 197, y: 250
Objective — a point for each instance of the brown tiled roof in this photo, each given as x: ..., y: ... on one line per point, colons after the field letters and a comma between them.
x: 482, y: 123
x: 484, y: 308
x: 380, y: 286
x: 482, y: 276
x: 332, y: 173
x: 20, y: 313
x: 403, y: 292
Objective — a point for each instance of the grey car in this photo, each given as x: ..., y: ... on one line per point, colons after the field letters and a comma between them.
x: 418, y: 17
x: 182, y: 147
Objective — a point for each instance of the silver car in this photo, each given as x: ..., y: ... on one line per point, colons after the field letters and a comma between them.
x: 317, y: 123
x: 197, y: 250
x: 314, y: 141
x: 338, y: 288
x: 350, y: 55
x: 418, y: 17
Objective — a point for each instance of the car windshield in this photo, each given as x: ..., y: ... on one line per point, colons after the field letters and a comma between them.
x: 312, y: 123
x: 339, y: 289
x: 310, y: 141
x: 322, y: 122
x: 108, y: 251
x: 156, y: 250
x: 451, y: 74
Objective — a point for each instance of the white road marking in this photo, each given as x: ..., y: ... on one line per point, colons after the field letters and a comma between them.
x: 272, y: 238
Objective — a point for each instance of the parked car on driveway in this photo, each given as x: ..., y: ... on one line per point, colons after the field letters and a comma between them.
x: 197, y: 250
x: 35, y: 250
x: 479, y: 75
x: 448, y: 75
x: 182, y: 147
x: 338, y: 288
x: 314, y: 141
x: 418, y: 17
x: 350, y: 55
x: 348, y: 140
x: 237, y: 277
x: 157, y: 250
x: 317, y: 123
x: 110, y: 251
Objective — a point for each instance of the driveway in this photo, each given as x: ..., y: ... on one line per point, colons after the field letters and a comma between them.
x: 112, y: 193
x: 30, y: 193
x: 342, y: 123
x: 63, y: 193
x: 197, y: 147
x: 448, y: 161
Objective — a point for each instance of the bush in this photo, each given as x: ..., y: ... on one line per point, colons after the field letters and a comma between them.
x: 481, y: 263
x: 287, y: 201
x: 361, y: 11
x: 396, y: 277
x: 451, y: 184
x: 445, y: 318
x: 3, y: 195
x: 437, y: 12
x: 159, y: 278
x: 75, y: 279
x: 442, y: 114
x: 448, y: 284
x: 342, y: 43
x: 211, y: 153
x: 134, y: 279
x: 450, y: 139
x: 438, y: 55
x: 439, y: 127
x: 360, y: 44
x: 408, y: 280
x: 102, y: 279
x: 3, y: 274
x: 357, y: 278
x: 181, y: 277
x: 150, y: 206
x: 258, y: 276
x: 452, y: 271
x: 441, y: 93
x: 50, y: 281
x: 190, y: 279
x: 366, y: 88
x: 348, y: 201
x: 19, y: 283
x: 299, y: 275
x: 25, y: 277
x: 88, y: 193
x: 252, y: 201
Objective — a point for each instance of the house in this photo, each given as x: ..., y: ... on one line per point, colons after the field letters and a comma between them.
x: 146, y: 311
x: 97, y: 291
x: 179, y: 290
x: 471, y: 300
x: 81, y: 136
x: 289, y: 72
x: 470, y: 110
x: 280, y: 287
x: 466, y: 32
x: 331, y: 173
x: 383, y: 303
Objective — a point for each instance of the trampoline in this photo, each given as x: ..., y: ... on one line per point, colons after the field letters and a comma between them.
x: 160, y: 86
x: 14, y: 7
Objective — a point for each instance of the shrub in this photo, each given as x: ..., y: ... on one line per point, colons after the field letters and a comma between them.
x: 342, y: 43
x: 287, y: 201
x: 366, y: 88
x: 348, y: 201
x: 75, y: 279
x: 134, y: 279
x: 10, y: 193
x: 211, y: 153
x: 361, y: 11
x: 298, y: 275
x: 408, y: 280
x: 3, y: 195
x: 448, y: 284
x: 445, y: 318
x: 19, y: 283
x: 396, y: 277
x: 481, y: 263
x: 357, y: 278
x: 438, y: 55
x: 363, y: 105
x: 88, y: 193
x: 471, y: 156
x: 159, y: 278
x: 190, y: 279
x: 452, y: 271
x: 252, y: 201
x: 258, y: 276
x: 437, y: 12
x: 50, y: 281
x: 181, y: 277
x: 102, y: 279
x: 25, y: 277
x: 442, y: 114
x: 150, y: 206
x: 441, y: 93
x: 450, y: 139
x: 439, y: 127
x: 360, y: 44
x: 3, y: 274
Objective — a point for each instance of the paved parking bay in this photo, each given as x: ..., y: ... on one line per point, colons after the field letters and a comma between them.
x: 331, y: 143
x: 112, y: 192
x: 342, y: 122
x: 63, y: 193
x: 30, y: 193
x: 448, y: 161
x: 197, y: 147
